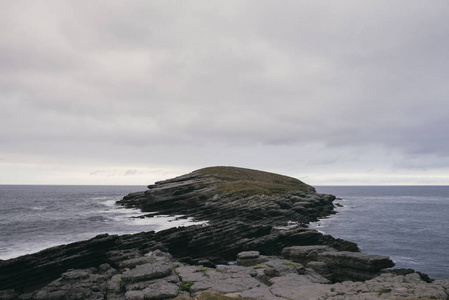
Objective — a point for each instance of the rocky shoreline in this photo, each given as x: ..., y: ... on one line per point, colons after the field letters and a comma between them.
x: 255, y: 245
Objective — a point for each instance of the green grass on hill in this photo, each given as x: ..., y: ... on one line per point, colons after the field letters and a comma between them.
x: 235, y: 180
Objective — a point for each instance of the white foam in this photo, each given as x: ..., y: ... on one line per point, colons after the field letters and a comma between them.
x: 37, y: 208
x: 290, y: 225
x: 110, y: 203
x: 162, y: 222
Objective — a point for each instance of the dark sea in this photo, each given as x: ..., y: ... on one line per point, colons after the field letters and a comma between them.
x: 408, y: 223
x: 35, y: 217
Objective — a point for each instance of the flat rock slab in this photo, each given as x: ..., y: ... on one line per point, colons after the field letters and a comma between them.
x: 161, y: 290
x: 304, y: 254
x: 133, y: 262
x: 147, y: 272
x: 355, y: 260
x: 229, y: 285
x: 223, y: 279
x: 278, y: 267
x: 261, y: 293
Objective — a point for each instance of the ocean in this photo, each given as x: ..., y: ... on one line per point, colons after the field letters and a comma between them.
x: 407, y: 223
x: 35, y: 217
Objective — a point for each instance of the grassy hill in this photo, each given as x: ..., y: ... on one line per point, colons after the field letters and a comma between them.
x: 233, y: 180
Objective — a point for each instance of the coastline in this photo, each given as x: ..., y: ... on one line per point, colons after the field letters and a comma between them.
x: 280, y: 264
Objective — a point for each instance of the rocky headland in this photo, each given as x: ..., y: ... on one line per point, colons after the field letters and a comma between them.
x: 255, y: 245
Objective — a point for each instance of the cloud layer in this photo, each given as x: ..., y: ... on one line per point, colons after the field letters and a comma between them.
x: 320, y: 89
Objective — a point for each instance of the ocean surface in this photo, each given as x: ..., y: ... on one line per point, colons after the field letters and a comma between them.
x: 33, y: 218
x: 408, y: 223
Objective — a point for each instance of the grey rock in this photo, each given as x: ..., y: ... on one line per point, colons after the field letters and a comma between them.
x: 173, y: 279
x: 134, y: 295
x: 228, y: 285
x: 303, y: 292
x: 288, y: 286
x: 320, y: 267
x: 262, y: 293
x: 280, y: 268
x: 161, y: 289
x: 8, y: 295
x: 107, y: 270
x: 355, y: 260
x: 115, y: 284
x: 53, y: 295
x: 248, y: 254
x: 147, y: 272
x: 251, y: 261
x: 133, y: 262
x: 304, y: 254
x: 75, y: 275
x: 354, y: 266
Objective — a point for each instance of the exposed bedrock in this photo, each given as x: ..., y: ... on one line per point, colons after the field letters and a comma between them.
x: 217, y: 243
x: 229, y: 193
x: 157, y: 275
x: 338, y: 266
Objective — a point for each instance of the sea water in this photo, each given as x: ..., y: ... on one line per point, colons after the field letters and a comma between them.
x: 33, y: 218
x: 408, y: 223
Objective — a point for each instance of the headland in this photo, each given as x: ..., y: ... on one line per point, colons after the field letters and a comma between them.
x: 255, y: 245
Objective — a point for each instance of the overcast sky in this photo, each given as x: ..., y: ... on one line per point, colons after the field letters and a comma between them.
x: 131, y: 92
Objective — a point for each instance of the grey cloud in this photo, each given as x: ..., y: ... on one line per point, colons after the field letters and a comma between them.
x: 141, y: 77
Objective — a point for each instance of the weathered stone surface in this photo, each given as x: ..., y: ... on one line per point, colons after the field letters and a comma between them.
x: 8, y: 295
x: 274, y: 279
x: 133, y: 262
x: 278, y: 267
x: 354, y: 266
x: 287, y: 286
x: 147, y: 272
x: 248, y: 254
x: 262, y: 293
x: 134, y: 295
x: 320, y: 267
x: 115, y: 284
x: 161, y: 289
x: 84, y: 284
x: 355, y: 260
x: 304, y: 254
x: 251, y: 261
x: 227, y: 285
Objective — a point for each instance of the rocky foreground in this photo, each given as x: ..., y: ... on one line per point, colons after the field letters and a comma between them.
x: 255, y: 246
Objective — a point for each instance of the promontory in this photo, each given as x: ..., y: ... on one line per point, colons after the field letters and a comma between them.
x: 254, y: 243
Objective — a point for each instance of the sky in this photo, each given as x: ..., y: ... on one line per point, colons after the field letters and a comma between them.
x: 342, y: 92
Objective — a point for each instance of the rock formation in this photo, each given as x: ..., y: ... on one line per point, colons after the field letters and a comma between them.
x: 253, y: 216
x: 156, y: 275
x: 228, y: 193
